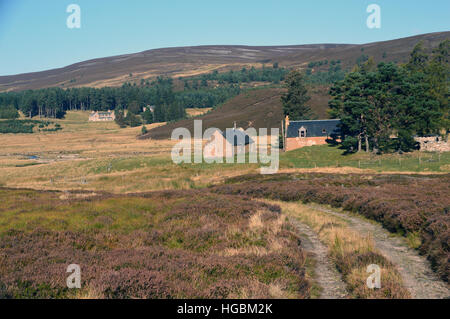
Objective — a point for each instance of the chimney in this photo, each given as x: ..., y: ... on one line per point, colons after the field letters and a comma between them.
x: 234, y: 125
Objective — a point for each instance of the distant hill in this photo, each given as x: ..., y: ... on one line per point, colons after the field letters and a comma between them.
x: 187, y: 61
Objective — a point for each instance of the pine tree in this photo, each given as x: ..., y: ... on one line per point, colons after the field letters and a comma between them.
x: 418, y: 59
x: 132, y: 119
x: 294, y: 101
x: 120, y: 119
x: 159, y: 114
x: 148, y: 116
x: 438, y: 76
x: 349, y: 104
x: 134, y: 107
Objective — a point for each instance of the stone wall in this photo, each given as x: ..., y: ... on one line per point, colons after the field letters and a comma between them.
x: 433, y: 144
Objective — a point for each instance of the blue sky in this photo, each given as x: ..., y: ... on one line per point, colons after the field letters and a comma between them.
x: 34, y: 35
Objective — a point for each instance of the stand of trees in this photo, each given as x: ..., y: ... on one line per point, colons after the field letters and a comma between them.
x: 205, y: 97
x: 169, y: 105
x: 332, y: 75
x: 383, y: 107
x: 273, y: 74
x: 166, y: 107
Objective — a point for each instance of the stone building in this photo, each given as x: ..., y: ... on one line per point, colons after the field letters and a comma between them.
x: 227, y: 143
x: 101, y: 116
x: 309, y: 132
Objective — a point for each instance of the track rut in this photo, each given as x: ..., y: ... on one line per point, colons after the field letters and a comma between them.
x: 415, y: 270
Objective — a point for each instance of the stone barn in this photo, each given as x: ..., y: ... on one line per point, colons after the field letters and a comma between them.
x: 309, y: 132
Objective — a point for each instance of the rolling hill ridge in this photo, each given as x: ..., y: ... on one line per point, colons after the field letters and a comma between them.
x: 189, y: 61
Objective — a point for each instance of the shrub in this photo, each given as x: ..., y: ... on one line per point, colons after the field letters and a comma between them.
x: 23, y: 126
x: 9, y: 112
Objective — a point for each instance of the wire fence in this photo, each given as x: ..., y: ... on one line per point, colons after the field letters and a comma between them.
x: 413, y: 162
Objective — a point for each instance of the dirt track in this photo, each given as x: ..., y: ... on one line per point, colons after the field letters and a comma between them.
x: 415, y: 270
x: 327, y: 277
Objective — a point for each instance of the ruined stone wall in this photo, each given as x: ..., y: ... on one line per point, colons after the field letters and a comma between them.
x: 433, y: 144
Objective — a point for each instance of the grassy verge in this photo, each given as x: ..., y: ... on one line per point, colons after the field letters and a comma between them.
x: 350, y: 252
x: 332, y: 156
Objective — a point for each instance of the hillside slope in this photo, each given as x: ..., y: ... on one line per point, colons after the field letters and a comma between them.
x: 255, y: 108
x: 186, y: 61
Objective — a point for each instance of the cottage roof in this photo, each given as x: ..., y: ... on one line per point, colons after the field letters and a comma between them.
x: 236, y: 137
x: 314, y: 128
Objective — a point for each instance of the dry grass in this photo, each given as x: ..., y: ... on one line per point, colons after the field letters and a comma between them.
x: 79, y: 157
x: 83, y: 138
x: 101, y: 156
x: 258, y: 225
x: 351, y: 252
x: 196, y: 111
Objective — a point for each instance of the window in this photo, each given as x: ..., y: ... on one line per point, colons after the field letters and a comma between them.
x: 302, y: 132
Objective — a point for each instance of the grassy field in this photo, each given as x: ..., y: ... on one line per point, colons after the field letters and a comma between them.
x: 101, y: 156
x: 332, y: 156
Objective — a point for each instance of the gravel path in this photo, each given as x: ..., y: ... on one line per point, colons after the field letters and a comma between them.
x: 415, y: 270
x: 327, y: 277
